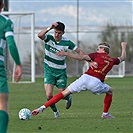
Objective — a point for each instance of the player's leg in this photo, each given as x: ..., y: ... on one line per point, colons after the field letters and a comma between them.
x: 49, y: 82
x: 3, y: 107
x: 76, y: 86
x: 61, y: 85
x: 49, y: 95
x: 107, y: 104
x: 3, y: 112
x: 107, y: 101
x: 57, y: 97
x: 52, y: 101
x: 104, y: 88
x: 97, y: 87
x: 68, y: 99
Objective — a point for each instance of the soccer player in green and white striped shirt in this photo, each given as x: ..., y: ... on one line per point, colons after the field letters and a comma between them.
x: 54, y: 65
x: 6, y: 37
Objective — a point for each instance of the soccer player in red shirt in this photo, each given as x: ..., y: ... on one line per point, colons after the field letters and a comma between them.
x: 93, y: 78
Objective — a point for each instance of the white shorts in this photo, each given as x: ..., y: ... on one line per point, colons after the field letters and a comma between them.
x: 87, y: 82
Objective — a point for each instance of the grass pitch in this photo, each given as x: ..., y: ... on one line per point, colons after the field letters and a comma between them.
x: 84, y: 116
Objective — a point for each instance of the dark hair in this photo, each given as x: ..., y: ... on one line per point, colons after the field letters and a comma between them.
x: 1, y: 1
x: 60, y: 26
x: 105, y: 45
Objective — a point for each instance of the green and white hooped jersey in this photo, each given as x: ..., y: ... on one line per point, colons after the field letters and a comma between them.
x: 7, y: 34
x: 4, y: 31
x: 52, y: 47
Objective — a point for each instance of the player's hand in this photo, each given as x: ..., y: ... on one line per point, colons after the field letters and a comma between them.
x: 93, y: 65
x: 61, y: 53
x: 123, y: 44
x: 18, y: 73
x: 53, y: 25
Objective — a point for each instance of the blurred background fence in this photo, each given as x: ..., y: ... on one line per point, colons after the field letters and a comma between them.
x: 87, y: 23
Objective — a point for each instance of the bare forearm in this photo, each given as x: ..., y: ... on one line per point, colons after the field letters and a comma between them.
x: 42, y: 34
x: 79, y: 57
x: 123, y: 53
x: 74, y: 56
x: 82, y: 55
x: 80, y: 52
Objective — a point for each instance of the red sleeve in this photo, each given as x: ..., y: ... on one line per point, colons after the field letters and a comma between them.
x: 92, y: 56
x: 116, y: 61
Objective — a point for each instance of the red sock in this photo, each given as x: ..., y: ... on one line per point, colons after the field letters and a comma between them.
x: 107, y: 102
x: 54, y: 100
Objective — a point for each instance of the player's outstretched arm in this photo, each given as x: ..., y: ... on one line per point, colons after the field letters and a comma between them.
x: 80, y: 57
x: 123, y: 52
x: 72, y: 55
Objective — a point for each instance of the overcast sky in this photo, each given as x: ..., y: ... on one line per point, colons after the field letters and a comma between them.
x: 91, y: 12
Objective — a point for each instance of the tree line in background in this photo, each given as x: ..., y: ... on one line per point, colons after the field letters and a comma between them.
x: 115, y: 37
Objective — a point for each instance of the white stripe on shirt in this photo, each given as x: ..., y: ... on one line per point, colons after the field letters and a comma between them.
x: 55, y: 65
x: 9, y: 33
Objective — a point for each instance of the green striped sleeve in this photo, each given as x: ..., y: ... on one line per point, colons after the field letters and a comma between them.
x: 13, y: 49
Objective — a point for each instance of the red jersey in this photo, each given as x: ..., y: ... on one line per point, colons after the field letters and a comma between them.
x: 105, y: 64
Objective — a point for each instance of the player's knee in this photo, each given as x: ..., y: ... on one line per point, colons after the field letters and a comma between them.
x: 110, y: 91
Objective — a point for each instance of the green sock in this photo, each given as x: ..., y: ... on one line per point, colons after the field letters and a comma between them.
x: 53, y: 107
x: 67, y: 97
x: 3, y: 121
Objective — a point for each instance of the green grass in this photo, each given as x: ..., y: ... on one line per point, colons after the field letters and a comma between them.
x: 83, y: 117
